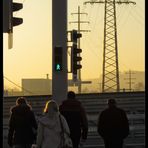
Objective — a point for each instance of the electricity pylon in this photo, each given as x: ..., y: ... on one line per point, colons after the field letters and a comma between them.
x: 130, y: 78
x: 110, y: 76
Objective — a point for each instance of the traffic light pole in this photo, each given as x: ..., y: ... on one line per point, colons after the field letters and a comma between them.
x: 9, y: 21
x: 79, y: 71
x: 79, y: 31
x: 59, y: 39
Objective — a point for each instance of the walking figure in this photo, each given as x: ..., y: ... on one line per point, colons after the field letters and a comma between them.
x: 113, y: 125
x: 75, y: 115
x: 22, y: 122
x: 49, y: 127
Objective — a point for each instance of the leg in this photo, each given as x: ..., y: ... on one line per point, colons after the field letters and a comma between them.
x: 107, y: 144
x: 22, y: 146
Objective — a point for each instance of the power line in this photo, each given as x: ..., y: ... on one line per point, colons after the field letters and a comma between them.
x: 18, y: 85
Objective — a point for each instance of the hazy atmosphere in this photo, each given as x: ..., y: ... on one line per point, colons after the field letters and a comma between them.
x: 31, y: 57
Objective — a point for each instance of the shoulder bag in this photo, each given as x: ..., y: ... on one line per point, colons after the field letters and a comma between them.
x: 66, y: 141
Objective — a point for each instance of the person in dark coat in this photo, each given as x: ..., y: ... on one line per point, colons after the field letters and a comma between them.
x: 75, y: 115
x: 22, y: 124
x: 113, y: 125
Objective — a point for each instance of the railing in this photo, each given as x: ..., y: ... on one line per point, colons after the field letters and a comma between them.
x: 133, y: 103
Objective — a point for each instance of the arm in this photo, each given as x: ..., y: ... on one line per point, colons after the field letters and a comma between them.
x: 100, y: 123
x: 34, y: 126
x: 126, y: 125
x: 34, y: 122
x: 11, y: 130
x: 65, y: 125
x: 39, y: 135
x: 84, y: 123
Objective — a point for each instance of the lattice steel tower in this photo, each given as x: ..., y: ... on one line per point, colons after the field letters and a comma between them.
x: 110, y: 76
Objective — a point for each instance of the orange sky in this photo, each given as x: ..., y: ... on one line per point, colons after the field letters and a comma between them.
x: 30, y: 56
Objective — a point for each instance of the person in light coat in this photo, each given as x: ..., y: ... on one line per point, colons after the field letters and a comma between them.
x: 49, y: 128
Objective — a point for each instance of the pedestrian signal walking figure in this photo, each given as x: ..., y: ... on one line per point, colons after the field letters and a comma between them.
x: 75, y: 115
x: 49, y: 127
x: 22, y: 124
x: 113, y: 125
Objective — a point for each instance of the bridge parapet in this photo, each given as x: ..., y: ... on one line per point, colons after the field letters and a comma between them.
x: 133, y: 103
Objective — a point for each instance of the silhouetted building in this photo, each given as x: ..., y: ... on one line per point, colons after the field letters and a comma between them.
x: 36, y: 86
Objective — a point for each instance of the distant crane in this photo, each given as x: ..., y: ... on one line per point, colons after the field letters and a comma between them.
x: 110, y: 78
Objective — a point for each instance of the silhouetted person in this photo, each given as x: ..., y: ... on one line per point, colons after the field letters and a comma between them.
x: 75, y: 115
x: 21, y: 124
x: 113, y: 125
x: 49, y: 128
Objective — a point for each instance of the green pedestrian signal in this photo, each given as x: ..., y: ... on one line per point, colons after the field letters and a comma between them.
x: 58, y: 67
x: 58, y: 58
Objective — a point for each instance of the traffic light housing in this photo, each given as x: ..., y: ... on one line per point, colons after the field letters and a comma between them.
x: 58, y: 53
x: 76, y: 58
x: 75, y: 36
x: 8, y: 20
x: 16, y: 20
x: 6, y: 15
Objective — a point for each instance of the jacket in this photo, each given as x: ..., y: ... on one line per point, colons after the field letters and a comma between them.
x: 21, y: 122
x: 113, y: 124
x: 76, y: 118
x: 49, y: 131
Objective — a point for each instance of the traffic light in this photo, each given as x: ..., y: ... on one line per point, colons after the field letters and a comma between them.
x: 75, y: 36
x: 76, y: 58
x: 15, y: 20
x: 6, y: 15
x: 58, y: 53
x: 8, y: 20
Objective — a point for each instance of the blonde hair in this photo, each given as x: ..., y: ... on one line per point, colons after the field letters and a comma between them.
x: 48, y: 104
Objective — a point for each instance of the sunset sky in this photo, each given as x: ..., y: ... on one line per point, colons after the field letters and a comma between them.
x: 31, y: 57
